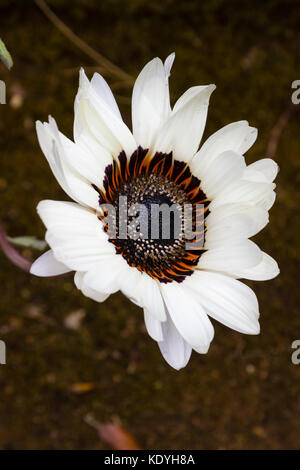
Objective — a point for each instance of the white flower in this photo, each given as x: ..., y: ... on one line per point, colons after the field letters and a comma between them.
x: 178, y: 289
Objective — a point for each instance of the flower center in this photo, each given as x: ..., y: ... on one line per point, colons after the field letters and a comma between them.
x: 158, y: 219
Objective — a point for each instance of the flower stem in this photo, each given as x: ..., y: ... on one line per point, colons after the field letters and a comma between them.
x: 11, y: 253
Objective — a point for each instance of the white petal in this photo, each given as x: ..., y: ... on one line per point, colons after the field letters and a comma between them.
x: 188, y: 316
x: 227, y: 300
x: 227, y: 167
x: 225, y: 226
x: 183, y: 130
x: 151, y: 297
x: 262, y: 170
x: 129, y: 282
x: 68, y: 216
x: 175, y: 350
x: 92, y: 294
x: 47, y: 265
x: 105, y: 276
x: 269, y: 200
x: 244, y: 192
x: 150, y: 100
x: 228, y: 231
x: 56, y: 148
x: 87, y: 158
x: 80, y: 253
x: 255, y: 187
x: 153, y: 326
x: 110, y: 274
x: 169, y: 64
x: 104, y: 92
x: 248, y: 141
x: 190, y: 94
x: 74, y: 233
x: 238, y: 137
x: 263, y: 271
x: 94, y: 114
x: 46, y: 142
x: 242, y: 254
x: 229, y: 214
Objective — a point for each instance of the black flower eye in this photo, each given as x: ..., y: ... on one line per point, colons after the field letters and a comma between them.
x: 154, y: 182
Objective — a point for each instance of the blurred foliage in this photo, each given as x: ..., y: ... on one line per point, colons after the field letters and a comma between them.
x: 245, y: 392
x: 28, y: 242
x: 5, y: 56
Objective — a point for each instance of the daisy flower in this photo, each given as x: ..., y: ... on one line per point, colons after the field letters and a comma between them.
x: 179, y: 288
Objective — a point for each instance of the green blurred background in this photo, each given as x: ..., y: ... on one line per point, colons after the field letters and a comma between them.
x: 245, y: 392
